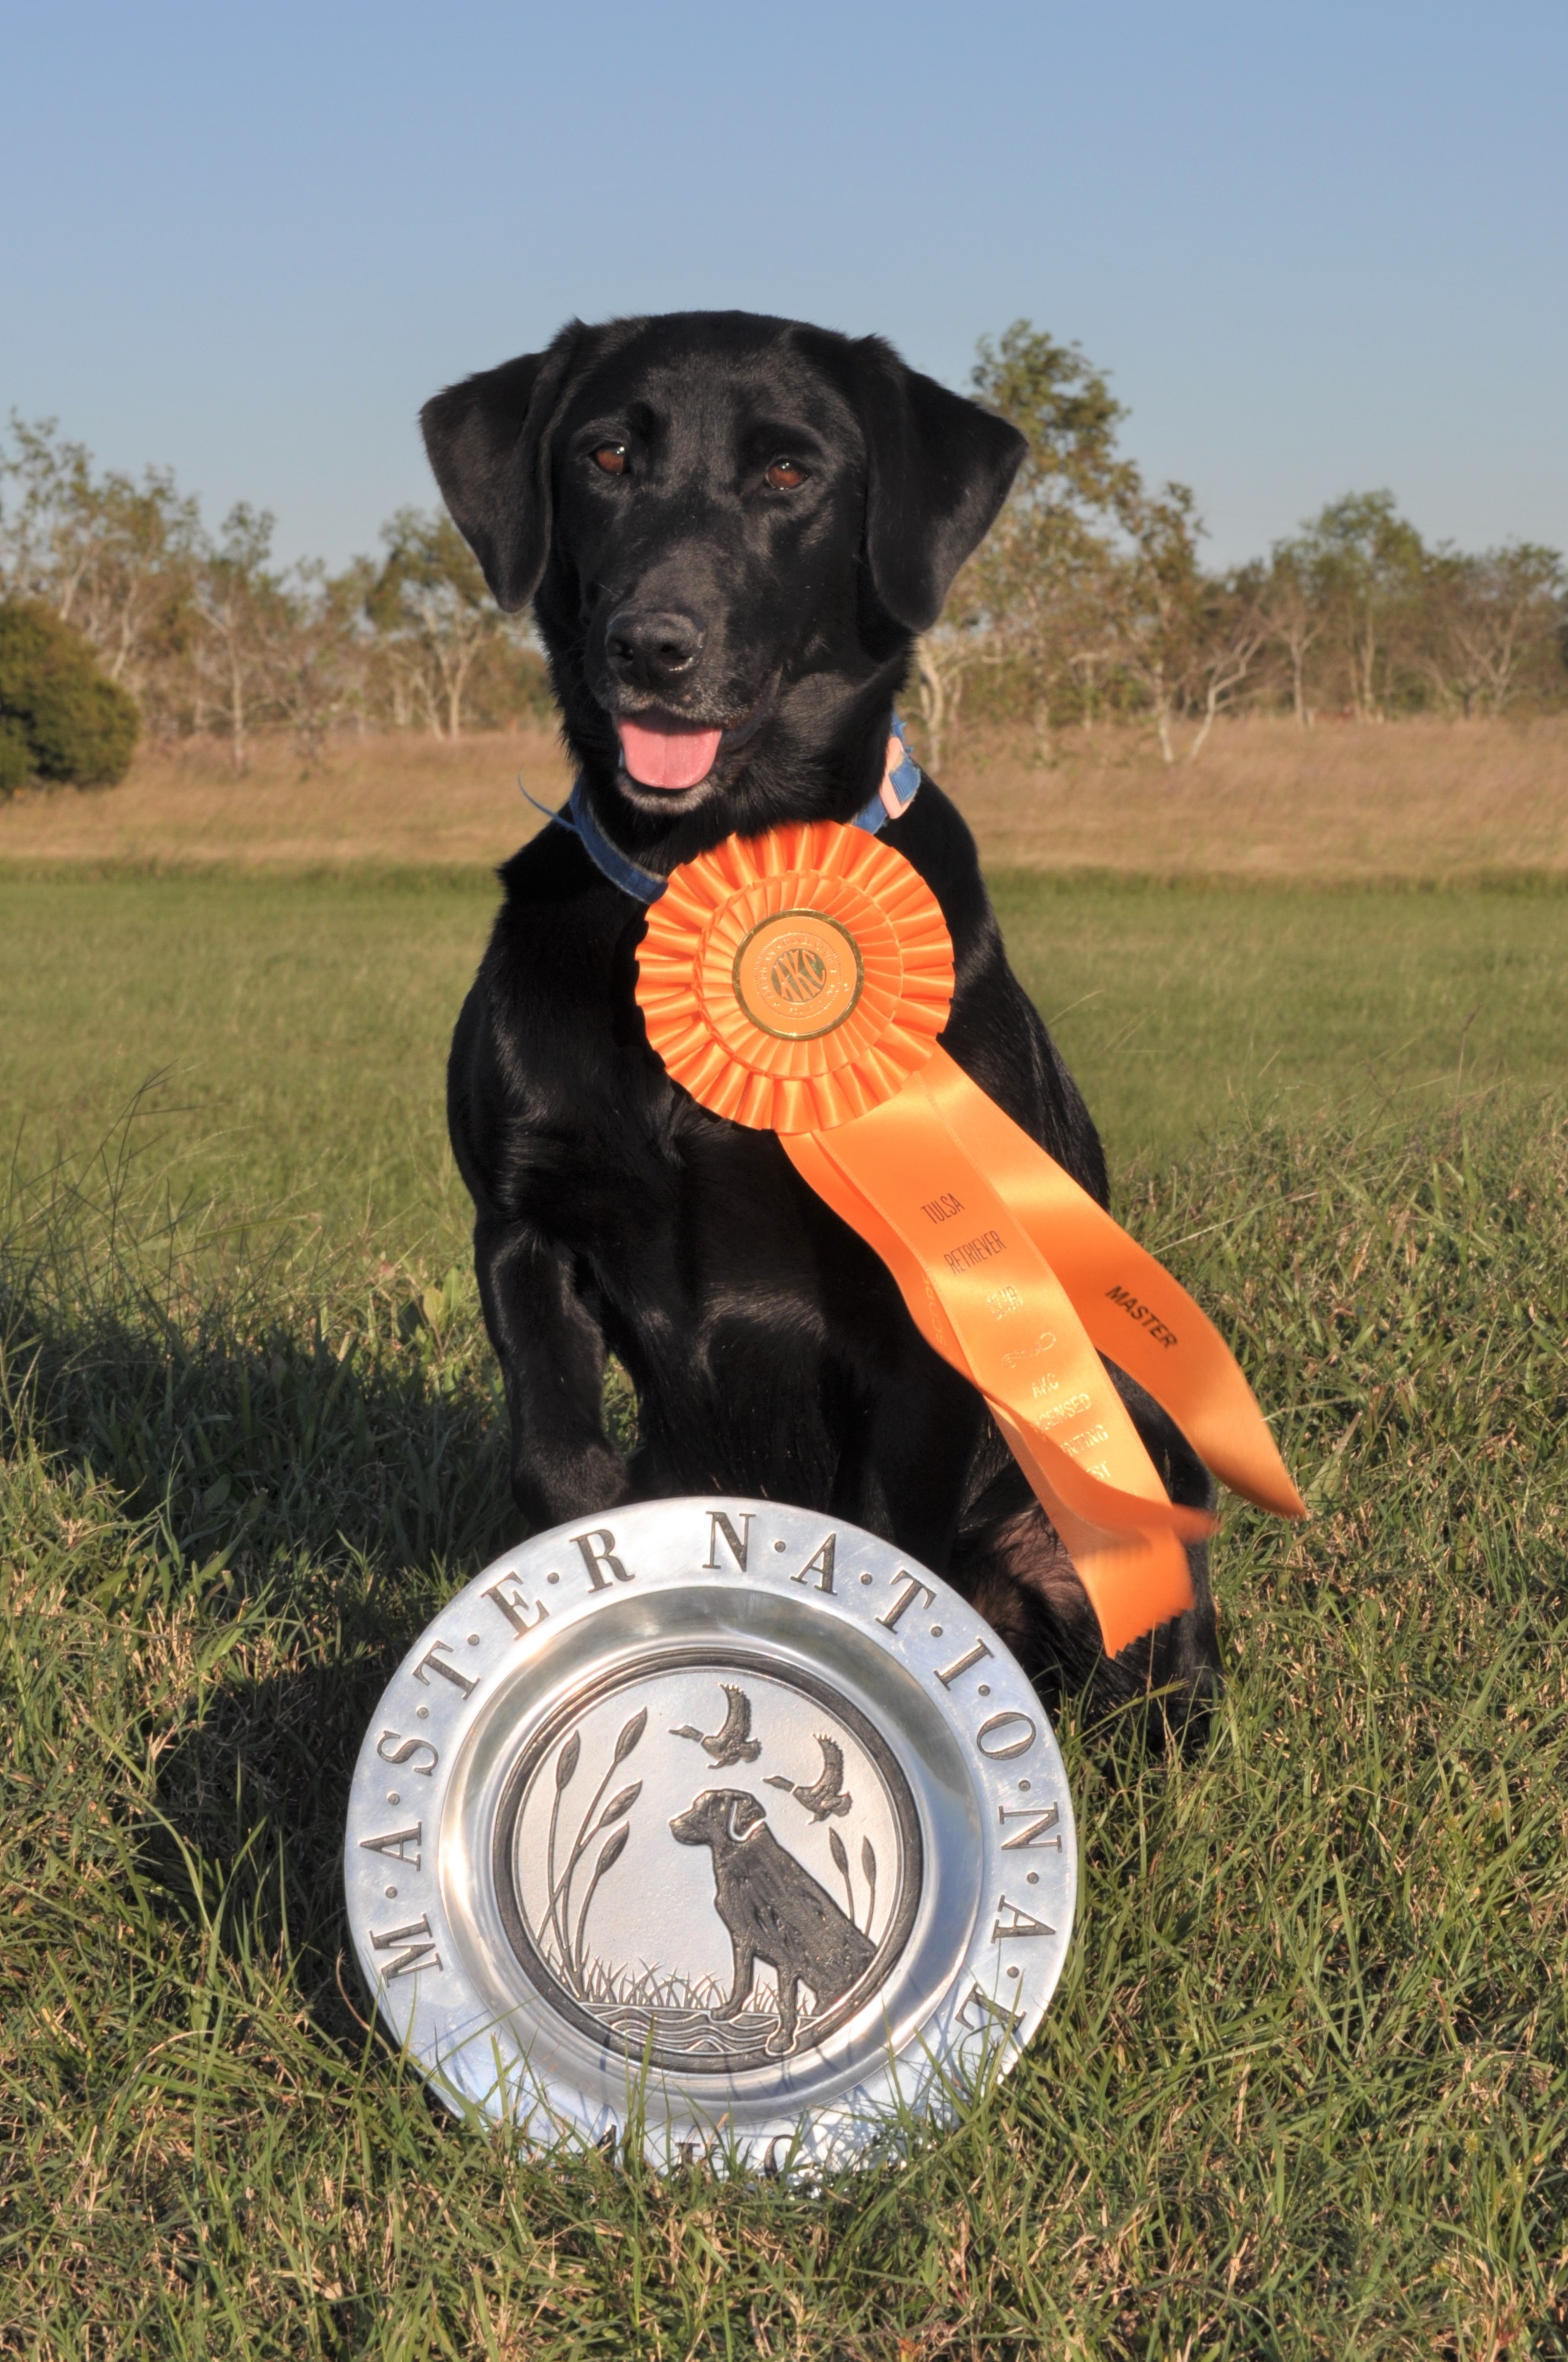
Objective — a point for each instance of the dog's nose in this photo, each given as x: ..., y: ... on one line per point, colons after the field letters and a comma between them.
x: 649, y: 646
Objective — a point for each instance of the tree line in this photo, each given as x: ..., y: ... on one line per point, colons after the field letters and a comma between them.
x: 1089, y: 602
x: 212, y: 635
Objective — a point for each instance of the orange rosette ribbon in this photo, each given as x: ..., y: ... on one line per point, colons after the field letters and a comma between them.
x: 798, y: 983
x: 795, y: 980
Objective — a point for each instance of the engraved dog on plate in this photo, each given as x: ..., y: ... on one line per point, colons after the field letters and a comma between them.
x: 775, y: 1911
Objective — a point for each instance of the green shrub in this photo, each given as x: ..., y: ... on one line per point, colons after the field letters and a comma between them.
x: 59, y: 717
x: 15, y: 757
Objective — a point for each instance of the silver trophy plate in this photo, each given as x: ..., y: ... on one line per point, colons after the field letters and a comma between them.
x: 715, y: 1817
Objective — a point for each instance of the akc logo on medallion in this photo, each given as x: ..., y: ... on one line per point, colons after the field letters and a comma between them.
x: 799, y: 974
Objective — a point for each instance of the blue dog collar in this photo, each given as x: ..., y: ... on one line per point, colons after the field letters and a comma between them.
x: 892, y: 799
x: 897, y: 793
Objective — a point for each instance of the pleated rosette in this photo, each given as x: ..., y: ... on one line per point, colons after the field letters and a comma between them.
x: 796, y: 980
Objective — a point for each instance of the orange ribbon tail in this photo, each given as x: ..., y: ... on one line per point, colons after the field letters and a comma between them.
x: 985, y: 1298
x: 1133, y: 1310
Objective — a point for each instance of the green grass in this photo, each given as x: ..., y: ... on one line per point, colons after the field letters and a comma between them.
x: 1304, y: 2090
x: 300, y: 1027
x: 302, y: 1024
x: 1178, y: 1004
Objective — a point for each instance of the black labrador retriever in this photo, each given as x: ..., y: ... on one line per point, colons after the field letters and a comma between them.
x: 732, y: 528
x: 773, y: 1910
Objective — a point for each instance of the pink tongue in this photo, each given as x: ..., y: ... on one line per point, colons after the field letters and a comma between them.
x: 672, y: 755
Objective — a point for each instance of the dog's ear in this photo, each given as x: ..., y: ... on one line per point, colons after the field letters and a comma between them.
x: 489, y: 442
x: 938, y: 469
x: 745, y: 1815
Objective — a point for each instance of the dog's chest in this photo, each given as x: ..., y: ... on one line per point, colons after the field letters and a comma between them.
x: 686, y: 1224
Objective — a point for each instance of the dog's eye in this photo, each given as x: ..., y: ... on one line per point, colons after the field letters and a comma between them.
x: 612, y: 457
x: 785, y: 474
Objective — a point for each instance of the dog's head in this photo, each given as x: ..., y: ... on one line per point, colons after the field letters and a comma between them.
x: 732, y: 528
x: 720, y: 1817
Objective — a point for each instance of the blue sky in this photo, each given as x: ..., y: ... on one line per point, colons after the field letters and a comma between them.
x: 1319, y: 247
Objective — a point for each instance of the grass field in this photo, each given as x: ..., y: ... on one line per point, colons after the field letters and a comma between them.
x: 301, y: 1024
x: 1303, y: 2091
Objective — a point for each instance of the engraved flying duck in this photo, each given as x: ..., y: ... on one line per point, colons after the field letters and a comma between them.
x: 734, y: 1743
x: 828, y: 1795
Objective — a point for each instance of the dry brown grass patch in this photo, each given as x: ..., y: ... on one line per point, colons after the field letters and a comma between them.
x: 1268, y: 800
x: 1342, y: 800
x: 385, y: 801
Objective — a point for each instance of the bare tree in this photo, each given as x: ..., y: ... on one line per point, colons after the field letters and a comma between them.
x: 943, y: 657
x: 1159, y: 599
x: 313, y: 635
x: 1490, y: 621
x: 1295, y: 616
x: 237, y: 600
x: 1233, y: 630
x: 431, y: 602
x: 1366, y: 564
